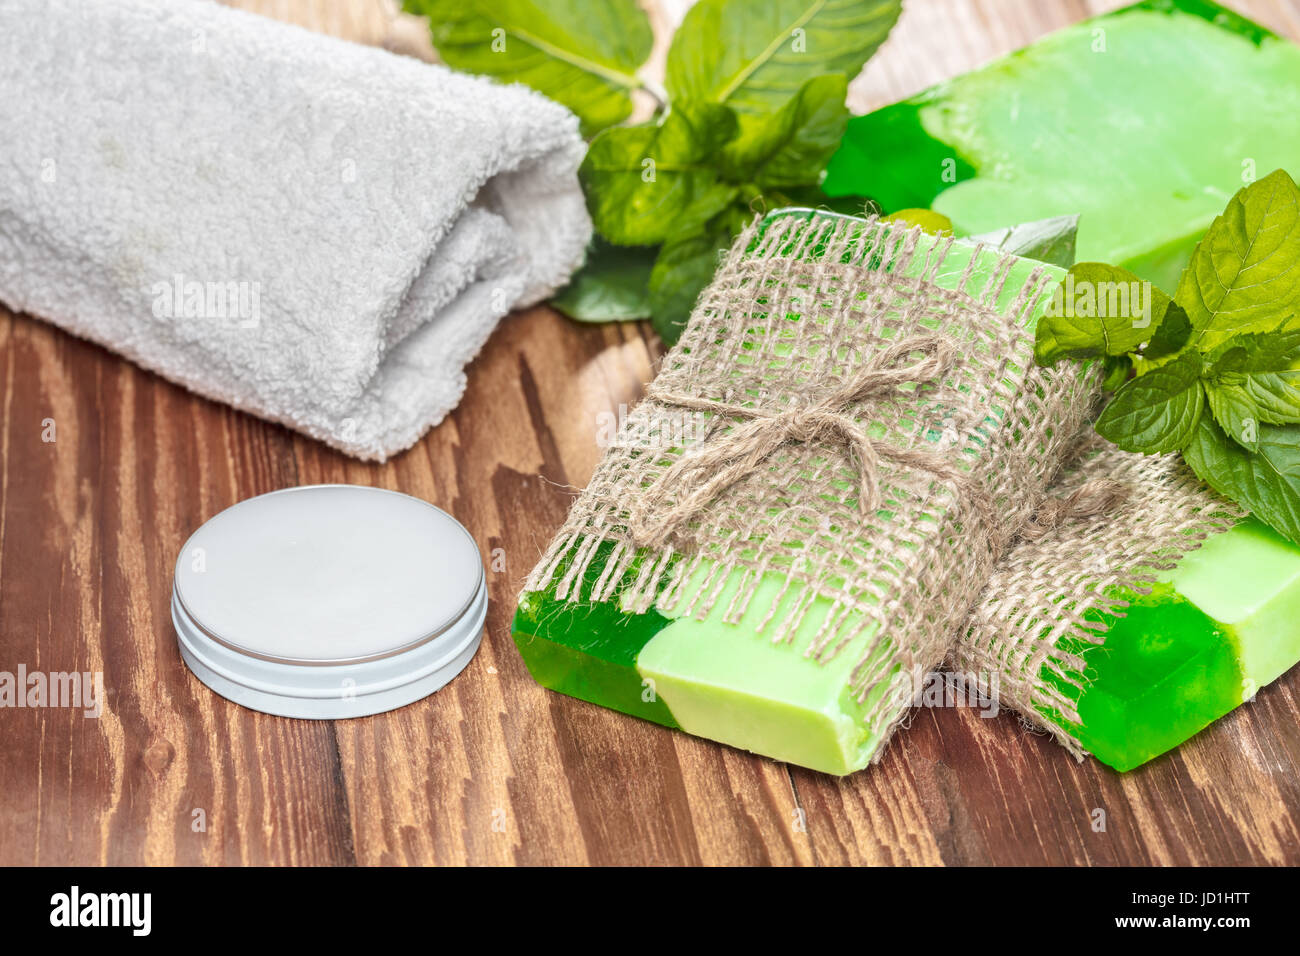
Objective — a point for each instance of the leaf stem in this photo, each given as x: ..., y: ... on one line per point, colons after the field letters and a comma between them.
x: 617, y: 77
x: 656, y: 90
x: 777, y: 42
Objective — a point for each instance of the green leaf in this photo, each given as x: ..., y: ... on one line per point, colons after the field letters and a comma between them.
x: 1117, y: 369
x: 613, y: 285
x: 1235, y: 412
x: 1270, y: 374
x: 641, y: 179
x: 1045, y: 240
x: 1267, y: 481
x: 1255, y: 379
x: 791, y: 147
x: 1171, y: 334
x: 685, y: 265
x: 1244, y: 276
x: 754, y: 55
x: 1156, y: 412
x: 1099, y: 310
x: 581, y: 53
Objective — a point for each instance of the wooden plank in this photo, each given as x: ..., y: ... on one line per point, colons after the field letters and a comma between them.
x: 493, y: 769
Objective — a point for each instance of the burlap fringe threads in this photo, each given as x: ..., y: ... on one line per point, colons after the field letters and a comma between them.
x: 1057, y: 586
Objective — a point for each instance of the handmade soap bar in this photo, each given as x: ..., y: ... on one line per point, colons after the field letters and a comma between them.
x: 1127, y: 675
x: 739, y: 642
x: 1219, y: 626
x: 709, y: 677
x: 1144, y: 122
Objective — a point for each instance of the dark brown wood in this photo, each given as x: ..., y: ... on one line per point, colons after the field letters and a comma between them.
x: 493, y: 769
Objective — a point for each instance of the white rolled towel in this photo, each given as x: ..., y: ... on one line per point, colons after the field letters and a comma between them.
x: 319, y: 233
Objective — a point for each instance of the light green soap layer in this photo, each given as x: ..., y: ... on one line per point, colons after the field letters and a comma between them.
x: 730, y: 683
x: 1248, y: 579
x: 1171, y: 111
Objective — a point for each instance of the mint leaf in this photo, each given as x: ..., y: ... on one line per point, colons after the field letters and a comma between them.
x: 1116, y: 369
x: 582, y: 58
x: 1266, y: 368
x: 1046, y: 240
x: 791, y: 147
x: 1244, y: 276
x: 754, y: 55
x: 1098, y: 310
x: 1235, y: 412
x: 1267, y: 482
x: 611, y: 286
x: 1255, y: 379
x: 640, y: 179
x: 1156, y: 412
x: 686, y: 264
x: 1171, y: 334
x: 683, y: 269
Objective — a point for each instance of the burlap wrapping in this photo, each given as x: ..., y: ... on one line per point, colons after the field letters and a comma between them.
x: 1052, y: 589
x: 784, y: 367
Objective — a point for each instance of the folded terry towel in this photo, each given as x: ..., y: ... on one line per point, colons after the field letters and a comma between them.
x: 317, y: 232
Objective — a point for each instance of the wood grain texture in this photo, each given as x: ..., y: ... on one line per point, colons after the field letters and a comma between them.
x: 493, y: 769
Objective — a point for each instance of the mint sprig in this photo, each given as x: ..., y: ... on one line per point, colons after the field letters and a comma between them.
x: 1215, y: 371
x: 752, y: 108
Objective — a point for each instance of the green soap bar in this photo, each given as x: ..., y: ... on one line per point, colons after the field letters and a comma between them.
x: 1145, y: 122
x: 728, y: 681
x: 1222, y: 623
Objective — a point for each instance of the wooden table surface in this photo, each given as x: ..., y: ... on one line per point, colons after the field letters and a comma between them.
x: 493, y: 769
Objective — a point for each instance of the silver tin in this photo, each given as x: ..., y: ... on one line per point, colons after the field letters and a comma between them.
x: 329, y: 601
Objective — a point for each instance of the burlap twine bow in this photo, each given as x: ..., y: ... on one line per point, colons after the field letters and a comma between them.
x: 730, y: 457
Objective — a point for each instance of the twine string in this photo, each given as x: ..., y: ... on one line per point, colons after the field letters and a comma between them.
x: 1092, y: 499
x: 727, y: 459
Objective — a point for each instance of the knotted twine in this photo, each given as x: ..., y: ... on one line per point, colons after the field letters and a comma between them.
x: 730, y: 457
x: 789, y: 484
x: 1095, y: 498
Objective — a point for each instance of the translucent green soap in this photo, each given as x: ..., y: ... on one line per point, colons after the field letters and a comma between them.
x: 1219, y: 626
x: 1144, y: 122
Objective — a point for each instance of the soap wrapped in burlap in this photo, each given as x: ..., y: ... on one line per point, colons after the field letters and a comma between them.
x: 1111, y: 523
x: 853, y: 407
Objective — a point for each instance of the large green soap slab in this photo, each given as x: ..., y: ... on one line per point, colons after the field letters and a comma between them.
x: 1143, y: 121
x: 1224, y: 622
x: 728, y: 681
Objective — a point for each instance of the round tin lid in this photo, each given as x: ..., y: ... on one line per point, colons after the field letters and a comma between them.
x: 328, y: 592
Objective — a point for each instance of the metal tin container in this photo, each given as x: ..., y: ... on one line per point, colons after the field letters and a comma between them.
x: 329, y: 601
